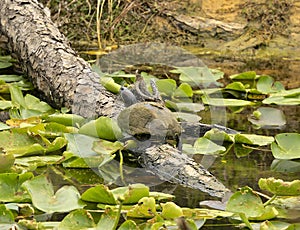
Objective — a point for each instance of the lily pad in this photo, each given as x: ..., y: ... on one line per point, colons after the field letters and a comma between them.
x: 253, y: 139
x: 225, y: 102
x: 184, y: 90
x: 278, y: 118
x: 144, y: 209
x: 99, y: 194
x: 7, y: 219
x: 266, y: 84
x: 5, y: 105
x: 170, y: 210
x: 205, y: 146
x: 280, y: 187
x: 250, y: 75
x: 286, y: 97
x: 10, y: 187
x: 287, y: 146
x: 166, y: 86
x: 103, y: 127
x: 66, y: 199
x: 78, y: 219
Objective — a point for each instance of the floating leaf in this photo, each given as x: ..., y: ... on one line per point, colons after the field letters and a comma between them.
x: 253, y: 139
x: 110, y: 84
x: 170, y: 210
x: 280, y: 187
x: 65, y: 119
x: 184, y: 90
x: 250, y: 75
x: 218, y: 136
x: 286, y: 97
x: 7, y: 219
x: 205, y: 146
x: 131, y: 194
x: 278, y: 118
x: 6, y: 161
x: 78, y: 219
x: 103, y: 127
x: 225, y: 102
x: 166, y: 86
x: 287, y: 146
x: 144, y: 209
x: 287, y: 166
x: 107, y: 147
x: 246, y: 201
x: 99, y: 194
x: 108, y: 221
x: 128, y: 225
x: 238, y: 86
x: 10, y: 187
x: 266, y: 84
x: 5, y: 105
x: 192, y: 118
x: 41, y: 190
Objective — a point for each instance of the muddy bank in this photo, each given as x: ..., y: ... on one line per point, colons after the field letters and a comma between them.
x: 233, y: 34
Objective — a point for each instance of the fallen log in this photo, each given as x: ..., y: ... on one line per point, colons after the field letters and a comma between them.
x: 67, y: 80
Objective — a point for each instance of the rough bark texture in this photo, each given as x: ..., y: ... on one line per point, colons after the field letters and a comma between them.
x: 67, y: 80
x: 53, y: 66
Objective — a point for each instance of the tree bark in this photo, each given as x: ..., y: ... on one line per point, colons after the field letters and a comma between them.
x: 54, y: 68
x: 67, y: 80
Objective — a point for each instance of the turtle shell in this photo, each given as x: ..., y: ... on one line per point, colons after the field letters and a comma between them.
x: 149, y: 118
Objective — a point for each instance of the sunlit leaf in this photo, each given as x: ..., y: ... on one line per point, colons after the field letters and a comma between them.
x: 44, y: 198
x: 131, y: 194
x: 159, y: 196
x: 110, y: 84
x: 266, y: 84
x: 78, y: 219
x: 183, y: 90
x: 144, y: 209
x: 128, y: 225
x: 253, y: 139
x: 99, y: 194
x: 280, y: 187
x: 205, y: 146
x: 37, y: 161
x: 287, y: 146
x: 246, y: 201
x: 4, y: 126
x: 5, y: 105
x: 65, y: 119
x: 103, y: 127
x: 10, y: 187
x: 108, y: 220
x: 251, y: 75
x: 225, y: 102
x: 166, y: 86
x: 238, y: 86
x: 218, y: 136
x: 170, y: 210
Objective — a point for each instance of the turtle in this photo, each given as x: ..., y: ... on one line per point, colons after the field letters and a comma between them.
x: 145, y: 117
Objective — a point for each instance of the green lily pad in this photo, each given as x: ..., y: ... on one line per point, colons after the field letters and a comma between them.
x: 6, y: 161
x: 7, y: 219
x: 107, y: 147
x: 4, y: 126
x: 78, y: 219
x: 183, y: 90
x: 280, y: 187
x: 103, y: 127
x: 287, y: 146
x: 285, y: 97
x: 237, y: 86
x: 278, y: 118
x: 266, y: 84
x: 245, y: 201
x: 287, y: 166
x: 99, y: 194
x: 204, y: 146
x: 108, y: 220
x: 166, y: 86
x: 253, y: 139
x: 189, y: 117
x: 218, y: 136
x: 10, y: 187
x: 144, y: 209
x: 128, y: 225
x: 65, y: 119
x: 66, y: 199
x: 250, y: 75
x: 170, y: 210
x: 225, y: 102
x: 5, y: 105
